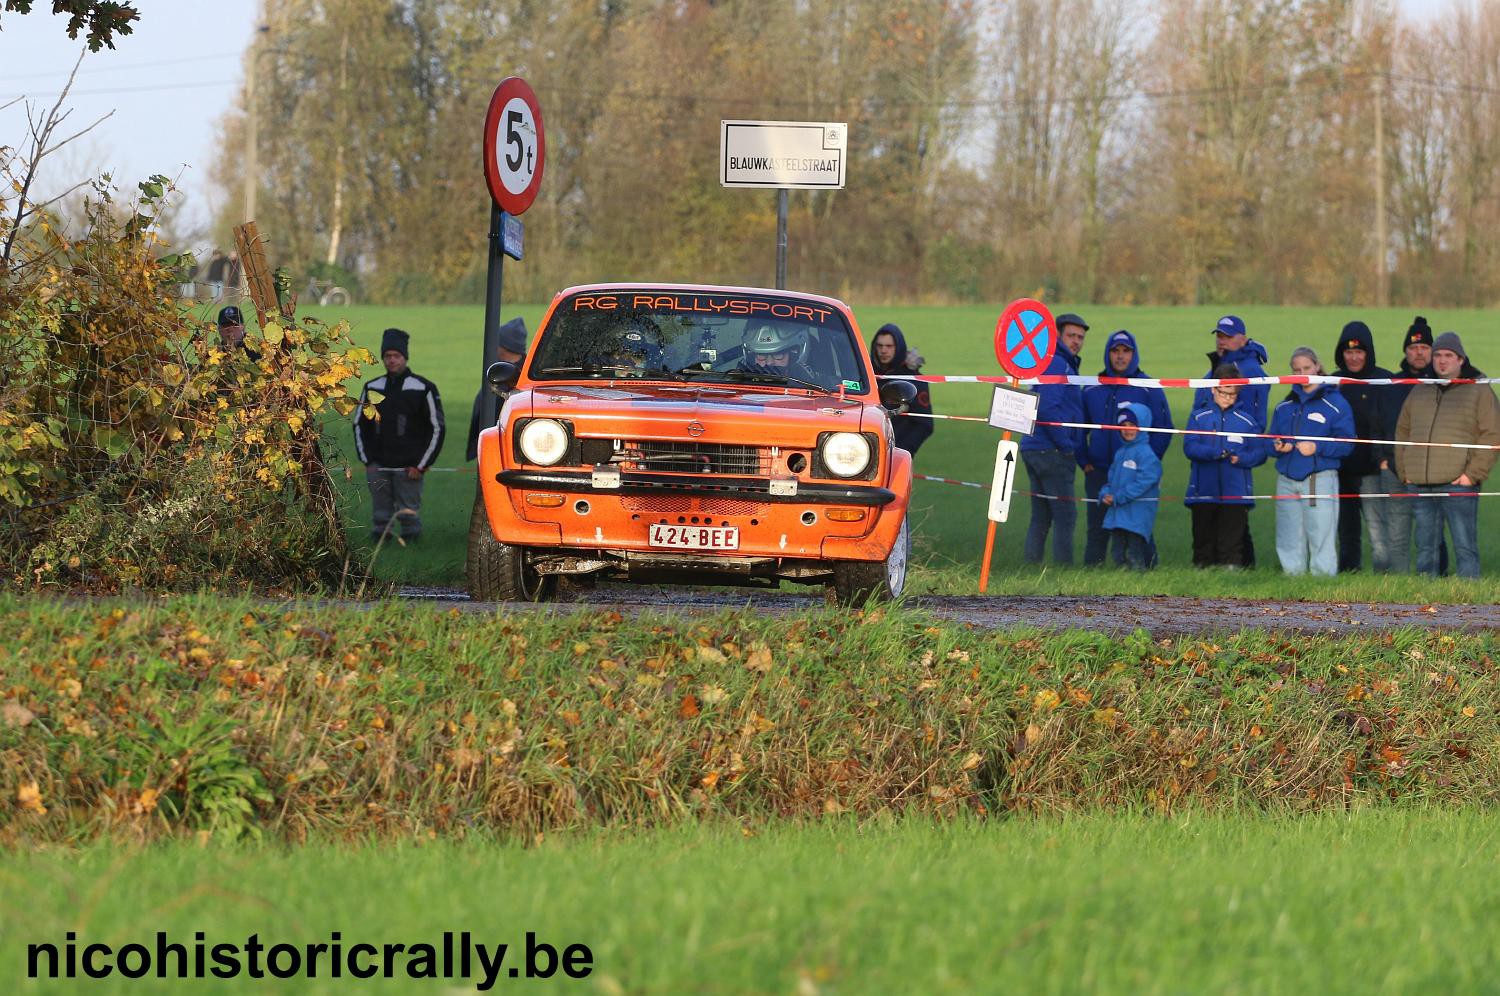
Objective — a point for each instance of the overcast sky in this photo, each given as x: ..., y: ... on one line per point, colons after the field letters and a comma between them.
x: 168, y: 85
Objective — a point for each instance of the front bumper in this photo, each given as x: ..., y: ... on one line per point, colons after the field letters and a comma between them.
x: 692, y: 485
x: 618, y: 518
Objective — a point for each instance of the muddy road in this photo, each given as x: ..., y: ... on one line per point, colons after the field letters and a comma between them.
x: 1159, y: 615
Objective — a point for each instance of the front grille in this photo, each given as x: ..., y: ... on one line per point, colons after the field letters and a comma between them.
x: 698, y: 458
x: 675, y: 504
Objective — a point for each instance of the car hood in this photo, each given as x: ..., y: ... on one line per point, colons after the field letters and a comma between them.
x: 721, y: 413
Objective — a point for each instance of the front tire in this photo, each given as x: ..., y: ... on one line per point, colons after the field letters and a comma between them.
x: 857, y: 582
x: 500, y: 572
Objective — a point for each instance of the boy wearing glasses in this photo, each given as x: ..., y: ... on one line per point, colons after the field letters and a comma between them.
x: 1223, y: 449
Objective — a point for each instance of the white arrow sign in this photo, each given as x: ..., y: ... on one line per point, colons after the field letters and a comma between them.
x: 1006, y: 458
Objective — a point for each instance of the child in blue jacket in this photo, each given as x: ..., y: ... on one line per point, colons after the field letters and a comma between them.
x: 1133, y: 490
x: 1306, y: 525
x: 1220, y: 478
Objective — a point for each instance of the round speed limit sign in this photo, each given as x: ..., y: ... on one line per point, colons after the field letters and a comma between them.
x: 514, y: 146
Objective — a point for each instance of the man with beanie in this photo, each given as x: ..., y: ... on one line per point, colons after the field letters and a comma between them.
x: 1051, y: 453
x: 232, y: 331
x: 512, y: 349
x: 891, y: 355
x: 1416, y: 362
x: 401, y: 442
x: 1448, y: 413
x: 1103, y: 404
x: 1359, y: 471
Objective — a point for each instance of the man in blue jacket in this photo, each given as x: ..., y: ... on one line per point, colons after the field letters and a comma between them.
x: 1102, y: 404
x: 1232, y: 344
x: 1050, y: 453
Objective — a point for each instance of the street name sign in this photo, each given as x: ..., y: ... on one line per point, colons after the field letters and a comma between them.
x: 798, y: 155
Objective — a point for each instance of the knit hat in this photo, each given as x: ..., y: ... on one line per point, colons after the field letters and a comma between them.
x: 1420, y: 332
x: 513, y: 336
x: 1127, y: 416
x: 397, y: 340
x: 1451, y: 342
x: 230, y: 315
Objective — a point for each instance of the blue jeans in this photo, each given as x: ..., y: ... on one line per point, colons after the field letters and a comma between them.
x: 1306, y: 528
x: 1461, y: 513
x: 1389, y: 522
x: 1051, y: 472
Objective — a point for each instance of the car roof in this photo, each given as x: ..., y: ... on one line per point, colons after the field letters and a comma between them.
x: 705, y: 288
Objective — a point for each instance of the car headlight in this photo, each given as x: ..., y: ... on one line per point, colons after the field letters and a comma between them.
x: 846, y: 454
x: 543, y: 441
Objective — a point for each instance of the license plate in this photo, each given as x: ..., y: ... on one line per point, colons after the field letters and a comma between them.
x: 694, y: 537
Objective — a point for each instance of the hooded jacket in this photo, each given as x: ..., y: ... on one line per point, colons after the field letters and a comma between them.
x: 1367, y: 403
x: 1448, y: 413
x: 1058, y: 403
x: 409, y: 429
x: 1102, y: 403
x: 1251, y: 360
x: 1213, y: 478
x: 1313, y: 410
x: 910, y: 432
x: 1134, y: 480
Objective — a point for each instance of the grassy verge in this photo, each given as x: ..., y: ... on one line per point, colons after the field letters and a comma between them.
x: 239, y: 719
x: 1389, y: 902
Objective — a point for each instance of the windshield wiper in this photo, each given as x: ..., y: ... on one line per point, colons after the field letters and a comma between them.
x: 766, y: 377
x: 614, y: 368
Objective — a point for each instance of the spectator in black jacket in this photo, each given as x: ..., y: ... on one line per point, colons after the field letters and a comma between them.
x: 401, y: 442
x: 1394, y: 554
x: 512, y: 349
x: 891, y: 355
x: 1359, y: 472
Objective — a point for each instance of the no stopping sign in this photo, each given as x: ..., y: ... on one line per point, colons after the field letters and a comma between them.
x: 514, y: 145
x: 1025, y: 338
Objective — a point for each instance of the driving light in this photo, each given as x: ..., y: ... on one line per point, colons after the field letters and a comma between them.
x: 544, y: 441
x: 846, y: 454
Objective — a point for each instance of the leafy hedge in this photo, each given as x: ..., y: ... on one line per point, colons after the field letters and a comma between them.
x: 234, y: 717
x: 135, y: 448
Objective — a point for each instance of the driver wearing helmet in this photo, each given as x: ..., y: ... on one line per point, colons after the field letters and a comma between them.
x: 776, y: 349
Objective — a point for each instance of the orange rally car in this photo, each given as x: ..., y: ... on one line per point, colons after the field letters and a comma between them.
x: 694, y: 434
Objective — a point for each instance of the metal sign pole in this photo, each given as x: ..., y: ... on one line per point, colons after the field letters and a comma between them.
x: 989, y: 535
x: 488, y: 403
x: 781, y: 208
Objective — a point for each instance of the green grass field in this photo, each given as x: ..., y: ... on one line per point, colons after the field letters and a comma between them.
x: 949, y: 522
x: 1363, y: 903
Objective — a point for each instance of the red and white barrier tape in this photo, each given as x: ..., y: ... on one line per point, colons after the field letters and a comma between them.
x: 1091, y: 501
x: 1092, y: 380
x: 1242, y: 435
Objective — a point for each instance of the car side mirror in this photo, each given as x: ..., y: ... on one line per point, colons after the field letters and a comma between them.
x: 898, y: 396
x: 502, y: 376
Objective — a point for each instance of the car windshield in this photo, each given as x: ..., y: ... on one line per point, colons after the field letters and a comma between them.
x: 699, y: 336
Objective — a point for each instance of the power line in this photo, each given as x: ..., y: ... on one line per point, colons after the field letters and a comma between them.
x: 148, y: 88
x: 121, y: 68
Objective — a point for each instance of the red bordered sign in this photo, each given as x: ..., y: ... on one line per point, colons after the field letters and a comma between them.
x: 1025, y: 338
x: 514, y: 145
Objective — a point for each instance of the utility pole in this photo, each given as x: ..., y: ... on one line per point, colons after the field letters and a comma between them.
x: 1382, y: 282
x: 252, y: 124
